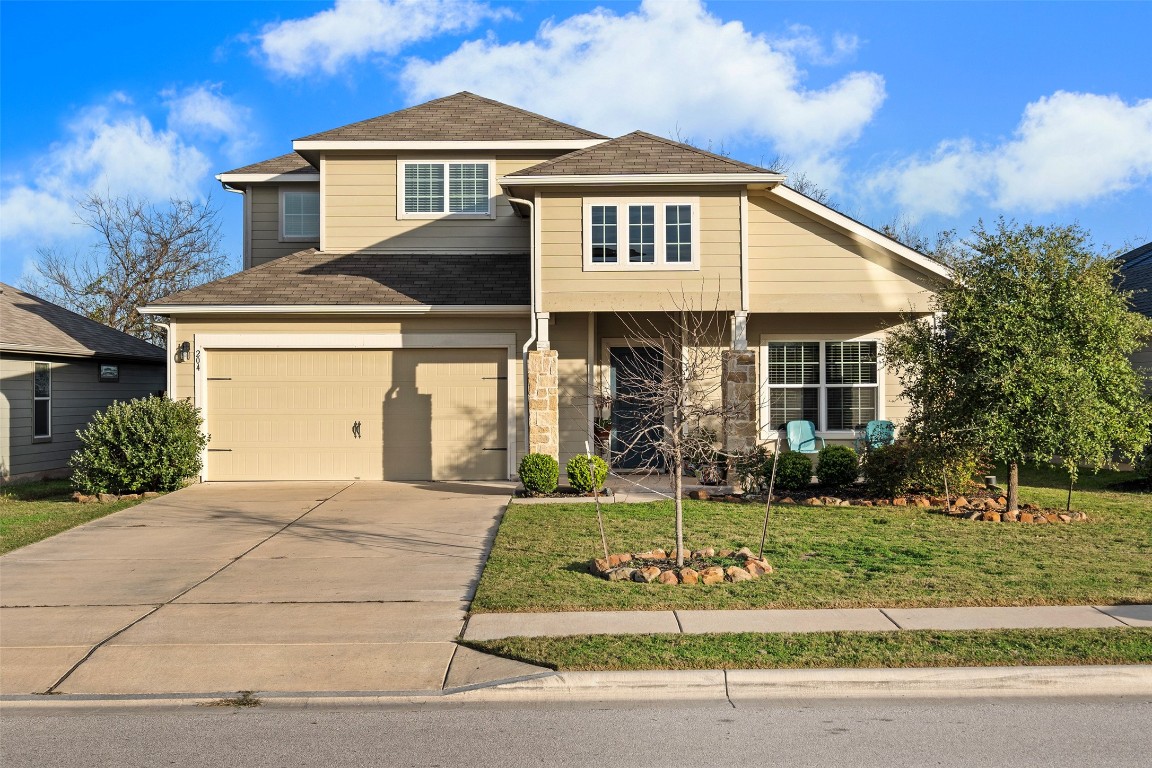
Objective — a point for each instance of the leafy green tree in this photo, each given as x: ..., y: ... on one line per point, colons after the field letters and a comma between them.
x: 1027, y: 356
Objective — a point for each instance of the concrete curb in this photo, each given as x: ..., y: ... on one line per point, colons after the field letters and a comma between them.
x: 728, y: 687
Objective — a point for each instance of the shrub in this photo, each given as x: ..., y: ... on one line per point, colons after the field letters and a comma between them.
x: 793, y: 471
x: 887, y: 470
x: 539, y: 472
x: 586, y: 474
x: 150, y: 444
x: 752, y: 469
x: 837, y: 466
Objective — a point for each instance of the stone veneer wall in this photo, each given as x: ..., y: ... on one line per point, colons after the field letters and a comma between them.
x: 740, y: 401
x: 543, y: 402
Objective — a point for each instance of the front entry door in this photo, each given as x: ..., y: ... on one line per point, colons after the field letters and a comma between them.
x: 635, y: 419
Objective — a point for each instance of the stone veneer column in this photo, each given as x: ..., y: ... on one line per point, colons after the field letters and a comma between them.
x: 740, y: 401
x: 543, y: 403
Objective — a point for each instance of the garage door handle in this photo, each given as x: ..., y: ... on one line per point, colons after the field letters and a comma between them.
x: 356, y: 430
x: 493, y: 449
x: 219, y: 450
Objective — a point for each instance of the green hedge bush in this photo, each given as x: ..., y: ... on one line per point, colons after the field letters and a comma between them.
x: 887, y: 470
x: 586, y: 474
x: 837, y: 466
x: 150, y: 444
x: 793, y: 472
x: 540, y: 473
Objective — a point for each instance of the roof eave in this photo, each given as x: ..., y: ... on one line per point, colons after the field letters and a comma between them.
x: 766, y: 180
x: 278, y: 178
x: 335, y: 309
x: 48, y: 351
x: 302, y: 146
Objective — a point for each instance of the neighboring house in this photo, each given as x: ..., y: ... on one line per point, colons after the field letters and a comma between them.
x: 57, y: 368
x: 431, y: 293
x: 1136, y: 276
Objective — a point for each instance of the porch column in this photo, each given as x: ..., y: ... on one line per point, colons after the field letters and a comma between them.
x: 543, y: 403
x: 740, y: 401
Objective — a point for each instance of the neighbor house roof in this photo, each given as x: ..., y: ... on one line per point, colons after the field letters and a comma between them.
x: 313, y: 279
x: 640, y: 153
x: 31, y: 325
x: 1136, y: 270
x: 461, y: 117
x: 289, y: 163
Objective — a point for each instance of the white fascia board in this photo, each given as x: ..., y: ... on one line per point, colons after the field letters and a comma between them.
x: 334, y: 309
x: 860, y: 231
x: 644, y: 178
x: 279, y: 178
x: 437, y: 146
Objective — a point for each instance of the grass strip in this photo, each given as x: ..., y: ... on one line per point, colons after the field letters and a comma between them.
x: 31, y: 512
x: 830, y: 650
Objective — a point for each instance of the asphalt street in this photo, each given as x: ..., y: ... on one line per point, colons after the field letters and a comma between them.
x: 1001, y: 732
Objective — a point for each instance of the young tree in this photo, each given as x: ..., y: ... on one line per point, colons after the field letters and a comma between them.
x: 676, y: 398
x: 1027, y: 355
x: 144, y: 252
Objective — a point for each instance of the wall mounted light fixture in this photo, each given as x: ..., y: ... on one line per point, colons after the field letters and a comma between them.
x: 183, y: 351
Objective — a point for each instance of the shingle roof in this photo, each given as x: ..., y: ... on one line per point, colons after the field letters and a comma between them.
x: 32, y: 325
x: 314, y: 278
x: 1136, y: 270
x: 289, y: 163
x: 638, y: 153
x: 461, y: 117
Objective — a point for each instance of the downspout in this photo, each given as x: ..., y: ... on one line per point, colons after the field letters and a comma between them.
x: 533, y: 269
x: 245, y: 255
x: 168, y: 354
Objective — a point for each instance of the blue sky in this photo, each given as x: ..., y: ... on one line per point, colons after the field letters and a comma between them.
x: 939, y: 112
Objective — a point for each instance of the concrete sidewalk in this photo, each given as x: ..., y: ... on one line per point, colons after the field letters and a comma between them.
x: 492, y: 626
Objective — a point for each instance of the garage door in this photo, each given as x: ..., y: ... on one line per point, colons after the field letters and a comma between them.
x: 412, y: 414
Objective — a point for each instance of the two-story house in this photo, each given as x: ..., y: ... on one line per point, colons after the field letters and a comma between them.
x: 431, y: 293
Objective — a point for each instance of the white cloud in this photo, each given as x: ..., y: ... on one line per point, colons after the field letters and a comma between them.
x: 353, y: 30
x: 667, y: 66
x: 108, y: 149
x: 1068, y: 149
x: 204, y: 112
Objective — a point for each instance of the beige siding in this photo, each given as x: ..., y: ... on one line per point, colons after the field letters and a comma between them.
x: 264, y: 227
x: 76, y: 395
x: 569, y: 336
x: 187, y: 329
x: 360, y: 211
x: 568, y: 288
x: 797, y: 264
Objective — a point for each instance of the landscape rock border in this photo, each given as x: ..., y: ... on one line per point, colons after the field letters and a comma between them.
x: 110, y: 498
x: 658, y: 566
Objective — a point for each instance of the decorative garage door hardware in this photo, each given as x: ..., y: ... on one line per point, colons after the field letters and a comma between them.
x: 356, y: 430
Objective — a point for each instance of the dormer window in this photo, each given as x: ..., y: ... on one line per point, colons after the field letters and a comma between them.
x: 641, y: 234
x: 445, y: 189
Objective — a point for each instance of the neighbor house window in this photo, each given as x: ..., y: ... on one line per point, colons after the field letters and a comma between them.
x: 653, y: 234
x: 42, y: 400
x: 299, y: 214
x: 435, y: 189
x: 833, y: 384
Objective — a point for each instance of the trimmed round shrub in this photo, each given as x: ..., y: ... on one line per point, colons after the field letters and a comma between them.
x: 837, y: 466
x: 887, y: 470
x: 793, y: 472
x: 586, y: 474
x: 150, y: 444
x: 539, y: 472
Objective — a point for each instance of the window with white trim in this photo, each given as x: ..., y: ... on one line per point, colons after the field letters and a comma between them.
x: 652, y: 234
x: 42, y: 400
x: 299, y: 214
x: 833, y: 384
x: 444, y: 189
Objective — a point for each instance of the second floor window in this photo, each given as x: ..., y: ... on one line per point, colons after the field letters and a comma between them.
x: 652, y: 235
x: 300, y: 214
x: 445, y: 188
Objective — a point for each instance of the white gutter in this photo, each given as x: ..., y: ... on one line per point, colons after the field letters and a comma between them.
x: 533, y: 255
x: 438, y: 146
x: 168, y: 358
x: 767, y: 179
x: 279, y: 178
x: 333, y: 309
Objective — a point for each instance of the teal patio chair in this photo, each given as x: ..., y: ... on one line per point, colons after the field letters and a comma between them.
x: 877, y: 434
x: 802, y: 437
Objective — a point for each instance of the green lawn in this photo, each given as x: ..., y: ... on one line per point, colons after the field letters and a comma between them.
x: 836, y: 556
x: 827, y: 650
x: 30, y: 512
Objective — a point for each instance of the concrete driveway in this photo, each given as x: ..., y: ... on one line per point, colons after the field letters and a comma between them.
x: 224, y: 587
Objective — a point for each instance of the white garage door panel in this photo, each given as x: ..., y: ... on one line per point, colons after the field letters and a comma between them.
x: 423, y: 413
